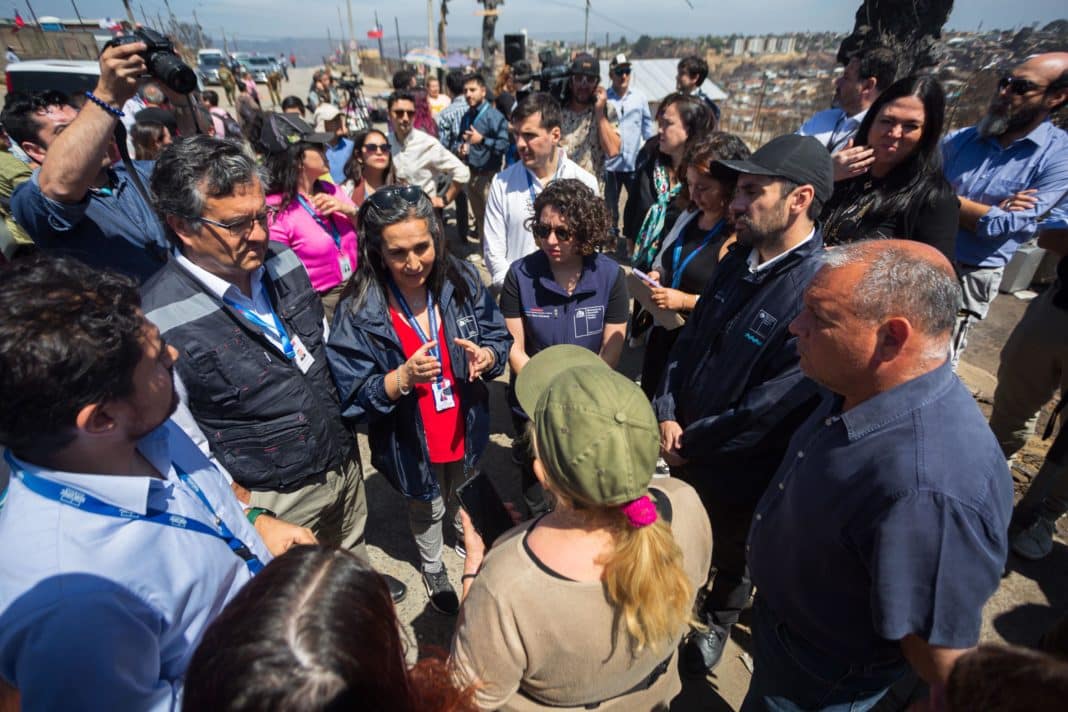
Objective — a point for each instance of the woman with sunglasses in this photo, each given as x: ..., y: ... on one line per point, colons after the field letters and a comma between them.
x: 564, y: 293
x: 314, y: 217
x: 415, y: 334
x: 903, y: 194
x: 370, y: 167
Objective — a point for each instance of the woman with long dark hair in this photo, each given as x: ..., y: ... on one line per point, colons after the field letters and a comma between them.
x: 904, y: 193
x: 314, y: 217
x: 315, y: 630
x: 659, y: 174
x: 369, y: 167
x: 415, y: 334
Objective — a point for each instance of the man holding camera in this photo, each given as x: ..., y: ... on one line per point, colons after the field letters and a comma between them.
x: 81, y: 200
x: 590, y: 130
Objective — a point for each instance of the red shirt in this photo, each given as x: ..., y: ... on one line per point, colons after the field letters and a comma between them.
x: 444, y: 430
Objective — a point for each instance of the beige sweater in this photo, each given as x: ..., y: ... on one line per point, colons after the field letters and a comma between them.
x: 522, y: 625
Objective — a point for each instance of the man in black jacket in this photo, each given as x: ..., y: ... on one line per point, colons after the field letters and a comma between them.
x: 251, y: 334
x: 733, y: 391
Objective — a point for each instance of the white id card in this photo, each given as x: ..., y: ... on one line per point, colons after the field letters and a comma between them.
x: 301, y: 355
x: 346, y: 266
x: 443, y: 399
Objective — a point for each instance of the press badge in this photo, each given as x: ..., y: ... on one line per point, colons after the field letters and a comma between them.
x: 443, y: 399
x: 346, y: 266
x: 301, y: 355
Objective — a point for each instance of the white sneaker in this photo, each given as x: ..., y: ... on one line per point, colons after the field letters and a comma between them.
x: 1035, y: 542
x: 662, y: 468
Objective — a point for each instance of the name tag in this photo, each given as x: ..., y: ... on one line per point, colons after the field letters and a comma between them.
x: 301, y: 356
x: 345, y: 264
x: 443, y: 399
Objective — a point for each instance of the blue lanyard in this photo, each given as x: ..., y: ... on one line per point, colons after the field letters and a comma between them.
x: 431, y: 317
x: 277, y: 330
x: 530, y: 181
x: 677, y: 268
x: 74, y: 497
x: 463, y: 122
x: 333, y: 231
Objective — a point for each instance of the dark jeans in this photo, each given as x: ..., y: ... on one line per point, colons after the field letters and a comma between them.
x: 730, y: 518
x: 614, y: 182
x: 533, y: 492
x: 790, y: 674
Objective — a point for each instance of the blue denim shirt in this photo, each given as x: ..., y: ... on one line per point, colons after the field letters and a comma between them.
x: 635, y: 128
x: 117, y: 231
x: 336, y: 158
x: 980, y: 169
x: 886, y: 520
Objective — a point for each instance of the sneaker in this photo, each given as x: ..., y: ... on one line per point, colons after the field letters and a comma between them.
x: 458, y: 547
x: 442, y: 595
x: 1035, y: 542
x: 397, y: 589
x: 662, y: 468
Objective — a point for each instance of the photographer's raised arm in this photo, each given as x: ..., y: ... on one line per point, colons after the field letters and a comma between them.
x: 75, y: 159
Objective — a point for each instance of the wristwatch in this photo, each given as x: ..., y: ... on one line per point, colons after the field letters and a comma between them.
x: 253, y: 513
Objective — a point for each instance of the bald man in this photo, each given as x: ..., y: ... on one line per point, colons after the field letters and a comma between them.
x: 884, y: 531
x: 1008, y: 171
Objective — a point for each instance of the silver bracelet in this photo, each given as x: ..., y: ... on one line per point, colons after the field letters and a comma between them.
x: 401, y: 388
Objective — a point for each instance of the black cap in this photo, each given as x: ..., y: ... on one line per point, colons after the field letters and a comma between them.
x: 522, y: 71
x: 280, y: 131
x: 800, y: 159
x: 586, y: 65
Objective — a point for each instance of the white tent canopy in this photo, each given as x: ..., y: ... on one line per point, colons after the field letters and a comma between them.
x: 655, y: 78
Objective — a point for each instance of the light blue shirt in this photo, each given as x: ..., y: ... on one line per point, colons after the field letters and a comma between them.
x: 103, y: 613
x: 980, y: 169
x: 635, y: 128
x: 832, y: 128
x: 336, y: 157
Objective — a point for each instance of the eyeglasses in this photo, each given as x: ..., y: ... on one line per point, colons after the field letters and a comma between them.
x: 1018, y: 86
x: 621, y: 71
x: 377, y: 147
x: 542, y: 232
x: 242, y: 227
x: 584, y: 79
x: 401, y: 113
x: 392, y: 197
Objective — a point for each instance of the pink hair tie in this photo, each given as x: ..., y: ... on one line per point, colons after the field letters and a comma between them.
x: 640, y: 512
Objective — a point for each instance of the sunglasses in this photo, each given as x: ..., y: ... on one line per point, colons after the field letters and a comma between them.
x: 393, y: 197
x: 401, y: 113
x: 584, y: 79
x: 1018, y: 86
x: 242, y: 227
x: 621, y: 71
x: 542, y: 232
x: 376, y: 147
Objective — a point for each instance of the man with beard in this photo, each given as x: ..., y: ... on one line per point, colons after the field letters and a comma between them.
x: 733, y: 391
x: 121, y: 540
x: 1008, y: 171
x: 252, y: 334
x: 589, y: 130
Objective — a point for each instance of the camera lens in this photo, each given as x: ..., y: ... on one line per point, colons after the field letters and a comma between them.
x: 172, y: 71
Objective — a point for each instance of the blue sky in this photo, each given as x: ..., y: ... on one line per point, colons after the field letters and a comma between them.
x: 276, y: 18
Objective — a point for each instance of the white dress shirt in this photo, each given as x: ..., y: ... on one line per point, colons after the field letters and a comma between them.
x: 420, y: 157
x: 832, y: 128
x: 507, y: 208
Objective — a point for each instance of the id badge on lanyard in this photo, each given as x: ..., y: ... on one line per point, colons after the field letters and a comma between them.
x: 442, y: 386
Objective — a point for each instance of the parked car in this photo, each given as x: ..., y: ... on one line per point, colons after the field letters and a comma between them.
x: 72, y: 77
x: 259, y: 68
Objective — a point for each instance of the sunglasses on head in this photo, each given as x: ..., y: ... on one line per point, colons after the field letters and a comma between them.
x: 401, y: 113
x: 542, y: 232
x: 376, y: 147
x: 1018, y: 86
x: 392, y: 197
x: 621, y: 71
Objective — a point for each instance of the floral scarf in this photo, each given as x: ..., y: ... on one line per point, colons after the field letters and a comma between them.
x: 651, y: 231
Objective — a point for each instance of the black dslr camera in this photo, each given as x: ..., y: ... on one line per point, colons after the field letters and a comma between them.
x: 163, y: 62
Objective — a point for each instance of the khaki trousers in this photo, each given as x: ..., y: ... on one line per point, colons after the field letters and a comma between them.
x: 477, y: 194
x: 332, y: 504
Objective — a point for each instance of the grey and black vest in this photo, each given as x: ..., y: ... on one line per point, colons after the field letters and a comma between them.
x: 269, y: 424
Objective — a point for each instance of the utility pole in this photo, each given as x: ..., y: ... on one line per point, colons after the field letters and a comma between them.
x: 354, y: 54
x: 586, y: 31
x: 144, y: 15
x: 430, y: 23
x: 76, y: 13
x: 329, y: 41
x: 226, y: 46
x: 200, y: 32
x: 129, y: 12
x: 396, y: 25
x: 341, y: 28
x: 378, y: 29
x: 442, y: 23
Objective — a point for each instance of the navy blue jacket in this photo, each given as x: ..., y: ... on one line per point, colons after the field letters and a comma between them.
x: 733, y: 381
x: 364, y: 347
x: 485, y: 157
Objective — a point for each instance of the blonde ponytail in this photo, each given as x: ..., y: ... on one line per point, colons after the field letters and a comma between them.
x: 644, y: 578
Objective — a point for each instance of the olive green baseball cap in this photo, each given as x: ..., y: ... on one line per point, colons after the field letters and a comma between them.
x: 595, y: 430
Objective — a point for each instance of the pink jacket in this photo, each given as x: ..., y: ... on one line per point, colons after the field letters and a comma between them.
x: 313, y: 243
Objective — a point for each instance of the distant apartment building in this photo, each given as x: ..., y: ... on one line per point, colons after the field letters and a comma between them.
x: 760, y: 44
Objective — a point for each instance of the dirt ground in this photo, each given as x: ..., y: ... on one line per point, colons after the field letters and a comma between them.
x: 1030, y: 599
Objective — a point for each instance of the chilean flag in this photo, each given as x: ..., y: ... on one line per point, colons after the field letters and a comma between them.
x: 375, y: 34
x: 19, y: 22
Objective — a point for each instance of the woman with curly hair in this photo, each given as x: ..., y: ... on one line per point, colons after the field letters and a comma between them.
x: 315, y: 630
x: 565, y: 293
